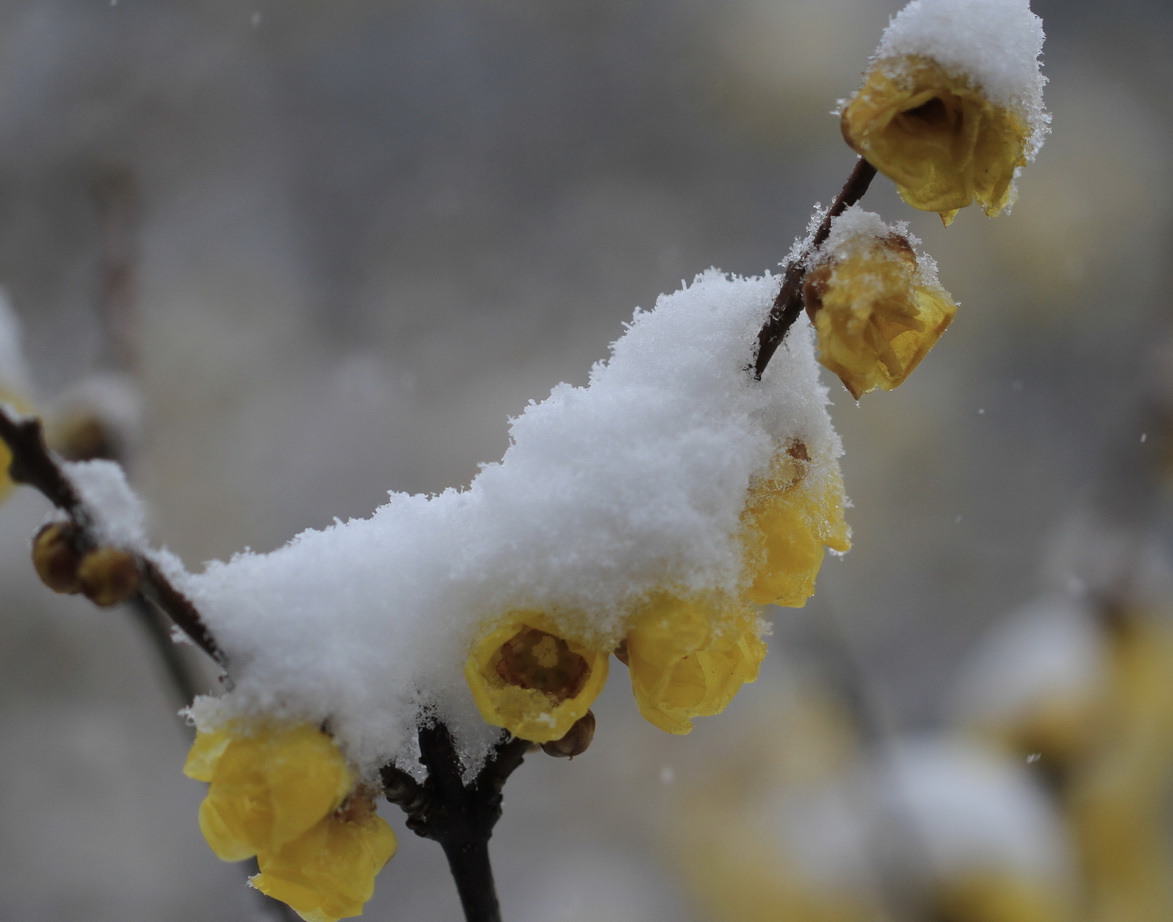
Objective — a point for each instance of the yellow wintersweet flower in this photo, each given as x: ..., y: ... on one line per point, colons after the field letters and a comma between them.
x: 791, y: 515
x: 527, y: 677
x: 875, y: 312
x: 689, y: 656
x: 936, y: 135
x: 328, y: 872
x: 286, y: 796
x: 267, y: 787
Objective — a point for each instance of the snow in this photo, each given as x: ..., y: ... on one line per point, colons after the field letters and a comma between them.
x: 120, y: 519
x: 965, y: 809
x: 855, y: 226
x: 996, y: 42
x: 1050, y: 650
x: 606, y: 493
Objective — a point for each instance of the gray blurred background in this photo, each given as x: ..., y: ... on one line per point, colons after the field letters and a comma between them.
x: 367, y: 232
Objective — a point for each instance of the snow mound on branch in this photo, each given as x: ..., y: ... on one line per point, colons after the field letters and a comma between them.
x: 606, y: 493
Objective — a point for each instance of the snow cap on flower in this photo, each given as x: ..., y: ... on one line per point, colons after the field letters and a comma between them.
x: 688, y: 656
x: 952, y: 103
x: 607, y: 494
x: 527, y: 678
x: 876, y: 305
x: 793, y: 512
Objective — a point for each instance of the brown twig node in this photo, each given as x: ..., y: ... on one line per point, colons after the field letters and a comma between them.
x: 459, y: 817
x: 34, y: 465
x: 788, y: 305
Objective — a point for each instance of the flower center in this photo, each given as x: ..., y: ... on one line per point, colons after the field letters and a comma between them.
x: 533, y: 659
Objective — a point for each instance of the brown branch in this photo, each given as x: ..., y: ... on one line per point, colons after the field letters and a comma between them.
x: 459, y: 817
x: 34, y: 465
x: 788, y: 305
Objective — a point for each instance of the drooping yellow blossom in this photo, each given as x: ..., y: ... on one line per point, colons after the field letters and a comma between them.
x: 527, y: 677
x: 936, y: 135
x: 875, y: 312
x: 689, y: 656
x: 286, y: 796
x: 789, y: 518
x: 267, y: 787
x: 328, y: 872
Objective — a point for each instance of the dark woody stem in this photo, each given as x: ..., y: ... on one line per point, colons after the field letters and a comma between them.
x: 459, y: 817
x: 788, y: 305
x: 35, y: 465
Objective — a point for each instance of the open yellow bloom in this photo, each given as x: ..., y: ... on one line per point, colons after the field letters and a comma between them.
x: 876, y: 314
x: 689, y: 656
x: 936, y: 135
x: 267, y: 788
x: 281, y: 794
x: 528, y: 678
x: 328, y: 872
x: 788, y: 520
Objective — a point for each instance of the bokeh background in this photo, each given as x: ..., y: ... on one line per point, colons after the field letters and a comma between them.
x: 360, y: 235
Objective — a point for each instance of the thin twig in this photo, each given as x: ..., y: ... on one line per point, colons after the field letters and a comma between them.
x: 459, y: 817
x: 788, y: 305
x: 36, y: 466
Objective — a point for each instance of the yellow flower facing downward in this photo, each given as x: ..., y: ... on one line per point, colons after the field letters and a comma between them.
x: 876, y: 313
x: 936, y: 135
x: 286, y: 796
x: 528, y: 678
x: 328, y: 873
x: 789, y: 518
x: 689, y: 656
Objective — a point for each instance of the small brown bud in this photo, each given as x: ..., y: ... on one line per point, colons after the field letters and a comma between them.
x: 109, y: 575
x: 621, y: 652
x: 576, y: 740
x: 84, y: 437
x: 56, y: 558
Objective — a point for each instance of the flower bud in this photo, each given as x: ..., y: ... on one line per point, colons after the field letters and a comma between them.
x: 109, y: 575
x: 56, y: 558
x: 576, y: 741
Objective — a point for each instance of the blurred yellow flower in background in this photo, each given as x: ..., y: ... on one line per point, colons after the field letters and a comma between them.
x: 526, y: 677
x: 875, y: 312
x: 936, y: 135
x: 790, y: 516
x: 689, y: 656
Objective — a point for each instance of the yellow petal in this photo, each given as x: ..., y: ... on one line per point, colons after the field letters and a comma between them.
x: 936, y: 135
x: 265, y: 788
x: 526, y: 677
x: 689, y: 656
x: 876, y: 315
x: 328, y: 872
x: 786, y: 524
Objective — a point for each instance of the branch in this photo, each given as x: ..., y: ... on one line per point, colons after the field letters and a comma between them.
x: 35, y: 466
x: 459, y: 817
x: 788, y: 305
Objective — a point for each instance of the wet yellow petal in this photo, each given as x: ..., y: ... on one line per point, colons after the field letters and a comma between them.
x: 689, y: 656
x: 789, y: 518
x: 328, y: 872
x: 527, y: 678
x: 265, y: 788
x: 936, y: 135
x: 875, y: 314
